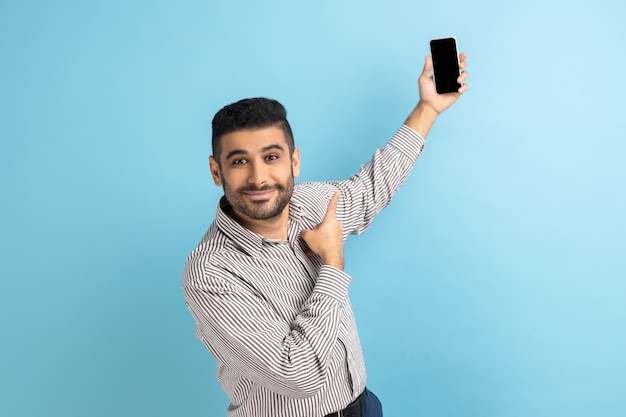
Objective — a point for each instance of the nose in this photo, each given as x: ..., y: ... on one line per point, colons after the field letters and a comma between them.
x: 257, y: 174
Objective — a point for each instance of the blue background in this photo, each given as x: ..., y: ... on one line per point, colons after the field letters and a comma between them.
x: 493, y: 285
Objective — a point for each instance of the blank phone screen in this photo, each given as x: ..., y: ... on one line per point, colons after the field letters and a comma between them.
x: 445, y: 65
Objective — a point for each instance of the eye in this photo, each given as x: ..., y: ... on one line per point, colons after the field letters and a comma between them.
x: 272, y: 157
x: 239, y: 161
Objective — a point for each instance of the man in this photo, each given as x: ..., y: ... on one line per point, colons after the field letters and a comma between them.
x: 266, y: 284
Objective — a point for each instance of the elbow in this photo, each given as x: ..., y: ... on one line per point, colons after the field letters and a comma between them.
x: 301, y: 387
x: 298, y: 382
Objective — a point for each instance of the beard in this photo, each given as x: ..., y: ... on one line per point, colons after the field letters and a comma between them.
x: 262, y: 209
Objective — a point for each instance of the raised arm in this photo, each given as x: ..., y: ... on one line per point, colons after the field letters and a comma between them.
x: 366, y: 193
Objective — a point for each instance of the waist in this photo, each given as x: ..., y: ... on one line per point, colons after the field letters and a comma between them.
x: 356, y: 408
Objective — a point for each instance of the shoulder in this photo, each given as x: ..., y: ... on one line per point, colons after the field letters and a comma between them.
x: 201, y: 267
x: 313, y: 197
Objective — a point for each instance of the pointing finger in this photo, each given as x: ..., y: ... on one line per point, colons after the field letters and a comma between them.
x: 332, y: 206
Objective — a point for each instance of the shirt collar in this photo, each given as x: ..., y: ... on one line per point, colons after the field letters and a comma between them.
x: 249, y: 242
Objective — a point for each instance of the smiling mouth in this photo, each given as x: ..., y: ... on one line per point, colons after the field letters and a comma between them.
x: 259, y: 196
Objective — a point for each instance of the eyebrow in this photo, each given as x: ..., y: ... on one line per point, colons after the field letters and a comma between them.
x: 244, y: 152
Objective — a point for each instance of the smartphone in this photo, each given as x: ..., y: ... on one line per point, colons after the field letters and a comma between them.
x: 445, y: 65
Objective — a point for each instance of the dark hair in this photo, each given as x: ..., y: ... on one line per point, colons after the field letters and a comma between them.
x: 250, y: 113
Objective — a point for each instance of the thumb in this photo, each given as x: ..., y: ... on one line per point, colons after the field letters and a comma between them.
x: 331, y: 212
x: 428, y: 67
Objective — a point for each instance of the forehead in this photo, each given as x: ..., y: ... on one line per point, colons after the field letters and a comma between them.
x: 252, y: 140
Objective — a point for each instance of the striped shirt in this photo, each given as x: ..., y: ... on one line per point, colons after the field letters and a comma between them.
x: 279, y: 323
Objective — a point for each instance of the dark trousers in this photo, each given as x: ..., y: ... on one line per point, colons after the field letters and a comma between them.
x: 374, y: 407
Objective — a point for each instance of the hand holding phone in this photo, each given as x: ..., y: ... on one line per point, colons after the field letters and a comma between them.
x: 446, y: 67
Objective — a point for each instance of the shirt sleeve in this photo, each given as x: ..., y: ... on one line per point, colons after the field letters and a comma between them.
x: 244, y: 333
x: 367, y: 192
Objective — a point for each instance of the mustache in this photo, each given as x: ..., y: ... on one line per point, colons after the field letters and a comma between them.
x: 263, y: 188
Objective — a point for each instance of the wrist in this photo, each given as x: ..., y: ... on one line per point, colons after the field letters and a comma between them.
x: 422, y: 118
x: 427, y: 109
x: 335, y: 261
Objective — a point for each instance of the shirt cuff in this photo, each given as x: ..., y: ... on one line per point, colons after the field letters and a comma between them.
x: 408, y: 141
x: 332, y: 282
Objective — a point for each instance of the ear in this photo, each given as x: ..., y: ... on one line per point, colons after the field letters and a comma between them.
x: 215, y: 171
x: 295, y: 162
